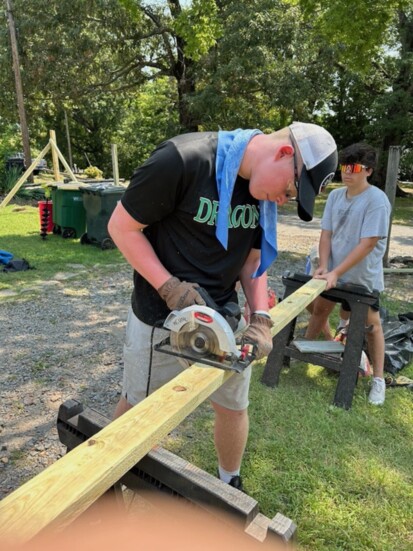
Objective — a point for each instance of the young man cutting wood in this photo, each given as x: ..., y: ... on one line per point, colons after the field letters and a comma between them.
x: 201, y: 212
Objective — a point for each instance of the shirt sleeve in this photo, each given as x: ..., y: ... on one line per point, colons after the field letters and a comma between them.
x: 155, y: 186
x: 376, y: 222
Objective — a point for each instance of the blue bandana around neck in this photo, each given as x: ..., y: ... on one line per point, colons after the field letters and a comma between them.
x: 230, y: 151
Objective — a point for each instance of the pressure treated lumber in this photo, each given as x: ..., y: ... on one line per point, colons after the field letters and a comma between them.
x: 24, y: 177
x: 69, y: 486
x: 59, y: 494
x: 56, y: 156
x: 57, y: 151
x: 291, y: 306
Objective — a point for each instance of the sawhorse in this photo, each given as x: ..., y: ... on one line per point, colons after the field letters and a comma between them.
x: 161, y: 470
x: 358, y: 299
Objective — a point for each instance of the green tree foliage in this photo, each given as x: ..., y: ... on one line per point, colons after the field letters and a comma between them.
x: 73, y: 50
x: 91, y: 58
x: 91, y: 127
x: 199, y: 26
x: 356, y: 30
x: 136, y: 71
x: 148, y: 119
x: 264, y: 71
x: 373, y: 43
x: 394, y: 108
x: 349, y: 111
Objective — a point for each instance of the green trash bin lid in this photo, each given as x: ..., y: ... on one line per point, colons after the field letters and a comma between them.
x: 103, y: 189
x: 70, y: 186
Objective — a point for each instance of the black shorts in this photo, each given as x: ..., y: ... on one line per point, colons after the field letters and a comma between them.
x: 376, y: 306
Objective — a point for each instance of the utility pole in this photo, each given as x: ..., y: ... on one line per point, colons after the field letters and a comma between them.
x: 19, y: 87
x: 69, y: 147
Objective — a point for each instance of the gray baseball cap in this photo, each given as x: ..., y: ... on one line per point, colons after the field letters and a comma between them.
x: 319, y: 154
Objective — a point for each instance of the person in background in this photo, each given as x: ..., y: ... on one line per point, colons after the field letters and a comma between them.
x: 353, y: 239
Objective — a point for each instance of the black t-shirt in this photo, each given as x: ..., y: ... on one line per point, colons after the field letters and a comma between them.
x: 175, y: 194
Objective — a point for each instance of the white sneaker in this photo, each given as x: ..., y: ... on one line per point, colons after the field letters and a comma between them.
x: 378, y: 392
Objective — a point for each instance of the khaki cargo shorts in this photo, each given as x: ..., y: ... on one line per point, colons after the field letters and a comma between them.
x: 146, y: 370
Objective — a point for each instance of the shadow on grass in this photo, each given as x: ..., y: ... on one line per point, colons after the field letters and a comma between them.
x: 329, y: 469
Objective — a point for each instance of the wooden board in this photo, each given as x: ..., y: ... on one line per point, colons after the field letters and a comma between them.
x: 69, y: 486
x: 64, y: 490
x: 290, y: 307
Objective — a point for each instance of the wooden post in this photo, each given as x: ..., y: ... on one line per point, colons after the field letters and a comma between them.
x: 64, y: 490
x: 390, y: 189
x: 55, y: 157
x: 59, y: 155
x: 115, y: 168
x: 24, y: 177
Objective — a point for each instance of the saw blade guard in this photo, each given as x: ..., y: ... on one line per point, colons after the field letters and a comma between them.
x: 193, y: 317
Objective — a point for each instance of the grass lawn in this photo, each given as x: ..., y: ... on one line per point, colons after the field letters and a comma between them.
x: 20, y: 234
x: 344, y: 477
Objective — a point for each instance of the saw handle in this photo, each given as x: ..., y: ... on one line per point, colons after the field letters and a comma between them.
x: 231, y: 311
x: 248, y: 352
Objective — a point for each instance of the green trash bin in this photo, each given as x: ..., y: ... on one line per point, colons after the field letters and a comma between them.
x: 99, y: 201
x: 69, y: 215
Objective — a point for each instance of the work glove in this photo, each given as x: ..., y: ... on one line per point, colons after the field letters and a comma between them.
x: 179, y: 294
x: 259, y: 334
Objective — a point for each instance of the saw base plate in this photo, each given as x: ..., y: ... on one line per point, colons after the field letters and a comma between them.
x: 228, y: 363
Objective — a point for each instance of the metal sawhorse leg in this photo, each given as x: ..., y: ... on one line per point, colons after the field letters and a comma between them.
x: 359, y: 299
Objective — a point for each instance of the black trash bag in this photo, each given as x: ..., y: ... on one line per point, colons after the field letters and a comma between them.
x: 17, y: 265
x: 406, y: 316
x: 398, y: 341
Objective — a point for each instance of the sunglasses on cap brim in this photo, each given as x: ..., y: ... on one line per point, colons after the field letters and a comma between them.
x: 354, y: 168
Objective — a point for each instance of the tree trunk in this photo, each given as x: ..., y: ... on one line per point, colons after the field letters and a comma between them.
x: 182, y: 72
x: 186, y: 87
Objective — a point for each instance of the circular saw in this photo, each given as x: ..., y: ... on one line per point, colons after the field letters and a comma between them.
x: 200, y: 334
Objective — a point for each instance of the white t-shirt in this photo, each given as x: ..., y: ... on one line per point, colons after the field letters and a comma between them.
x: 351, y: 219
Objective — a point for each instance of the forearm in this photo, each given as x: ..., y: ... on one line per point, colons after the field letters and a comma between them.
x: 324, y: 249
x: 255, y: 289
x: 364, y: 247
x: 259, y: 330
x: 361, y: 251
